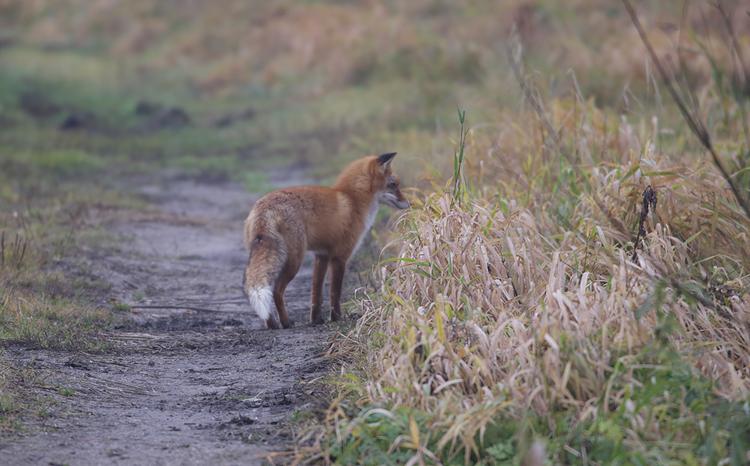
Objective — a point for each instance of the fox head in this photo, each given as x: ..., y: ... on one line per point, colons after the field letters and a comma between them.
x: 373, y: 175
x: 389, y: 184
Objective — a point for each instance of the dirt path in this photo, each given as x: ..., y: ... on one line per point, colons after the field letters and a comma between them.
x: 178, y: 386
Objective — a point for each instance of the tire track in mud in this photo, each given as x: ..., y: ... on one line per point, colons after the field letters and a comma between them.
x: 178, y: 386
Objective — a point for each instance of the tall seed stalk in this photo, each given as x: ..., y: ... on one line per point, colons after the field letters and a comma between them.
x: 459, y: 182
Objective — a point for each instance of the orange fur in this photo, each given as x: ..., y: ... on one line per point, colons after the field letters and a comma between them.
x: 330, y: 221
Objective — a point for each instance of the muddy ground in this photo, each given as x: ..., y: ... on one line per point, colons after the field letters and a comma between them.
x: 177, y: 386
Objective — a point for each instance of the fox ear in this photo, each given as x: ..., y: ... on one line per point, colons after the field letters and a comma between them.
x: 385, y: 159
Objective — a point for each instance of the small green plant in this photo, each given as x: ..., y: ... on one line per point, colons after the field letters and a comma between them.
x: 66, y: 391
x: 459, y: 178
x: 121, y: 307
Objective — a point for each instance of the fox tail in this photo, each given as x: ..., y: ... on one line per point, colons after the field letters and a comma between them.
x: 267, y: 257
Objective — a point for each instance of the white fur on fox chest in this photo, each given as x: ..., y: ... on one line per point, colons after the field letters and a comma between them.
x: 369, y: 220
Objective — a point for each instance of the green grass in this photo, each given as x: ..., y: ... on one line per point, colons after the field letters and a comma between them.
x: 50, y: 323
x: 41, y: 306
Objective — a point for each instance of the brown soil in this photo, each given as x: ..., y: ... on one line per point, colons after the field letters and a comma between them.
x: 177, y: 386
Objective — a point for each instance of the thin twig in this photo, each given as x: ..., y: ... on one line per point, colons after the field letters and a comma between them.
x: 227, y: 300
x: 168, y: 306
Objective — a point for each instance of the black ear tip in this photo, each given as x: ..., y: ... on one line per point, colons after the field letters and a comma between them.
x: 385, y: 158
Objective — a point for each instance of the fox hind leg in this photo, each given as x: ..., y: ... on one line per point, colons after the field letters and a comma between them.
x: 272, y: 324
x: 278, y: 298
x: 293, y: 263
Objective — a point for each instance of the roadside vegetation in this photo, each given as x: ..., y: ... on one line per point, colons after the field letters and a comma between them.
x: 576, y: 294
x: 572, y: 283
x: 47, y: 300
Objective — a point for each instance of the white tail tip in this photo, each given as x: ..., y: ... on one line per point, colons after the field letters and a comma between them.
x: 261, y: 299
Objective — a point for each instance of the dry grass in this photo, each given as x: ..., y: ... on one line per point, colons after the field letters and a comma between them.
x: 523, y: 306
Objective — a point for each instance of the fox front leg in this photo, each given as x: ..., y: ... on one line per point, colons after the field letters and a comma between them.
x: 338, y: 267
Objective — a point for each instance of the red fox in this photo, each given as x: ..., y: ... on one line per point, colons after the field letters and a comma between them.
x: 331, y: 222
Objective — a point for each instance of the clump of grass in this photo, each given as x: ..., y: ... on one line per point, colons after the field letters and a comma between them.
x: 35, y: 309
x: 53, y: 323
x: 520, y: 316
x: 480, y: 308
x: 39, y: 305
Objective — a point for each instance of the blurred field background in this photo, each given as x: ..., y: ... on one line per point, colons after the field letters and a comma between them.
x: 511, y: 306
